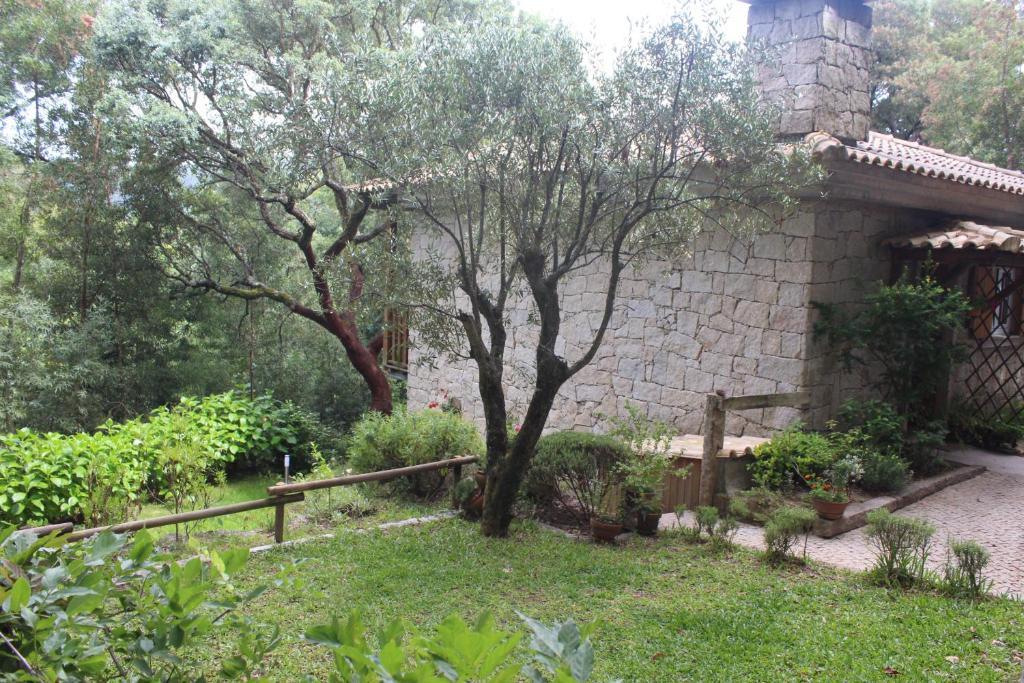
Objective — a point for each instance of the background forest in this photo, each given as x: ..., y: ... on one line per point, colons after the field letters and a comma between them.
x: 92, y: 327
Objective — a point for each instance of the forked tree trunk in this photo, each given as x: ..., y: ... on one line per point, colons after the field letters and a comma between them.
x: 505, y: 478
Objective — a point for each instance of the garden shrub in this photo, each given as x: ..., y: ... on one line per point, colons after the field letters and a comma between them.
x: 105, y: 609
x: 707, y: 518
x: 963, y: 571
x: 97, y: 477
x: 995, y: 432
x: 755, y: 505
x: 574, y: 468
x: 877, y: 421
x: 902, y: 546
x: 783, y: 530
x: 381, y: 442
x: 790, y: 453
x: 883, y: 472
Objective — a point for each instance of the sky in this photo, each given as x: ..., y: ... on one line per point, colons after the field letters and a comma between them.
x: 607, y: 22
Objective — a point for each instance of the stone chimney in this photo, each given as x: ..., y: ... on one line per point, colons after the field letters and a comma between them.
x: 815, y: 66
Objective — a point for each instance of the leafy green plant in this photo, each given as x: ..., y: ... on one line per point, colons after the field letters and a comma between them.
x: 965, y: 562
x: 789, y: 454
x: 560, y: 653
x: 755, y: 505
x: 105, y: 609
x: 834, y: 487
x: 380, y: 442
x: 904, y: 330
x: 706, y: 518
x: 997, y: 432
x: 648, y: 444
x: 902, y: 546
x: 877, y: 423
x: 577, y: 468
x: 783, y: 529
x: 884, y: 472
x: 55, y: 477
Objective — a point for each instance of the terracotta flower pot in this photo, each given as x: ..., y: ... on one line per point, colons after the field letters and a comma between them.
x: 475, y: 506
x: 647, y: 523
x: 605, y: 532
x: 826, y: 509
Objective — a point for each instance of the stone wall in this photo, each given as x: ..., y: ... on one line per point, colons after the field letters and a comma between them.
x: 816, y: 67
x: 733, y: 316
x: 849, y: 262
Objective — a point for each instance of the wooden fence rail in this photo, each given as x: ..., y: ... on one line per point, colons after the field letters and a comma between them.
x: 715, y: 408
x: 280, y: 495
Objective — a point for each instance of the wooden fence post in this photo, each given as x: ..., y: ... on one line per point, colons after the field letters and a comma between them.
x: 714, y: 440
x: 279, y: 520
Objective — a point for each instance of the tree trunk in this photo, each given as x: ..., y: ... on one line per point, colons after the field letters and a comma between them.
x: 506, y: 475
x: 365, y: 363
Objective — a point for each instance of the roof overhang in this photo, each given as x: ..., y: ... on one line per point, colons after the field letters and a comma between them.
x: 902, y: 174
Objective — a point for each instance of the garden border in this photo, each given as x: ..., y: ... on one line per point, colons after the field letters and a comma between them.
x: 856, y: 513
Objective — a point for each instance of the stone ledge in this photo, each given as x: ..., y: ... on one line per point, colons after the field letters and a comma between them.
x: 856, y: 513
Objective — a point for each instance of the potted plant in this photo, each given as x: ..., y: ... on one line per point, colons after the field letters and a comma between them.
x: 831, y: 495
x: 604, y: 527
x: 643, y: 472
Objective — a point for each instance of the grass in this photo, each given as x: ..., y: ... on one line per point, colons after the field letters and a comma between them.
x: 670, y: 611
x: 254, y: 527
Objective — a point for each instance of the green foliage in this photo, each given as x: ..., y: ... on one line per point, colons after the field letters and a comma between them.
x: 755, y: 505
x: 905, y: 329
x: 707, y: 519
x: 323, y: 506
x: 107, y: 609
x: 52, y: 477
x: 928, y: 51
x: 883, y: 472
x: 963, y: 571
x: 783, y: 530
x: 997, y: 432
x: 877, y: 422
x: 648, y: 443
x: 789, y: 454
x: 902, y: 546
x: 560, y: 653
x: 577, y: 469
x: 381, y: 442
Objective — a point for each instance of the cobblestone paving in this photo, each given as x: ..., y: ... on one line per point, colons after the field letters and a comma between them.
x: 988, y: 509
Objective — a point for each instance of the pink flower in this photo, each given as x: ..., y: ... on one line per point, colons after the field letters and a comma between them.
x: 433, y: 404
x: 517, y: 428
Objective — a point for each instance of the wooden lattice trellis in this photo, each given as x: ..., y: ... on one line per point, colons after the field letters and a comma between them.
x: 993, y: 374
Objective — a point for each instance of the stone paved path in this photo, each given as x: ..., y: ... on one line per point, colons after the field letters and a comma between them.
x: 988, y: 509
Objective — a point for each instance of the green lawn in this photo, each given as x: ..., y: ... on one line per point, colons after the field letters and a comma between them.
x: 254, y: 527
x: 670, y: 611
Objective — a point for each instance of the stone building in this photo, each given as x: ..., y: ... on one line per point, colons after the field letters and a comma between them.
x: 737, y: 316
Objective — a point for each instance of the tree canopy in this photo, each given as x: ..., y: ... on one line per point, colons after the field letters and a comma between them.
x: 951, y: 73
x: 535, y: 168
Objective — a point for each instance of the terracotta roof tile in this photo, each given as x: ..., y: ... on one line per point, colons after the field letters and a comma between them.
x: 912, y: 157
x: 964, y: 235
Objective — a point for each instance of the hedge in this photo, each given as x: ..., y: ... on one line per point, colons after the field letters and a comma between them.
x: 49, y: 477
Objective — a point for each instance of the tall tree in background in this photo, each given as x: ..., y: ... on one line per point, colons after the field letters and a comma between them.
x: 263, y: 111
x: 951, y: 72
x: 527, y: 171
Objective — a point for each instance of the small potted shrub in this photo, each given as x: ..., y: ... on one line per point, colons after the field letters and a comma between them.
x: 831, y: 495
x: 606, y: 518
x: 643, y: 472
x: 605, y: 526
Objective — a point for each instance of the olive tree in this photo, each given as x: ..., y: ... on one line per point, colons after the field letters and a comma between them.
x: 263, y: 111
x: 523, y: 167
